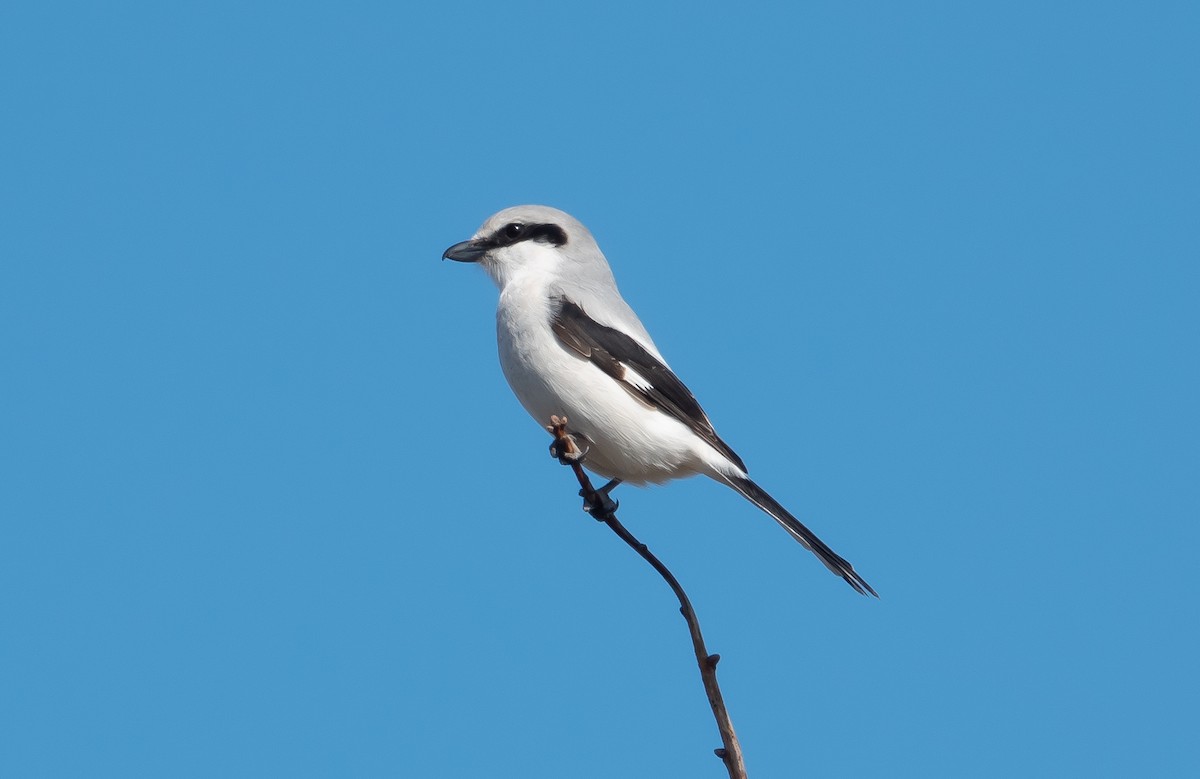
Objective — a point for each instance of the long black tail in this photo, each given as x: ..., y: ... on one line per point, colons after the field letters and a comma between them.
x: 759, y: 497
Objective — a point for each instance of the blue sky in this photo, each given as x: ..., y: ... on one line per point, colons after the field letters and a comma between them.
x: 269, y: 509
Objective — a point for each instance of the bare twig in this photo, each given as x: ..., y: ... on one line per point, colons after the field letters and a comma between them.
x: 602, y: 509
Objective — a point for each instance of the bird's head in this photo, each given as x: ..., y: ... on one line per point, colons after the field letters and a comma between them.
x: 531, y: 240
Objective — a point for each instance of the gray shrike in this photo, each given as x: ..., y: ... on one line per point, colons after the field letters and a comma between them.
x: 571, y: 346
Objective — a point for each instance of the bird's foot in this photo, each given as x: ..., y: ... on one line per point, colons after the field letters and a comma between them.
x: 566, y: 451
x: 565, y: 448
x: 598, y: 503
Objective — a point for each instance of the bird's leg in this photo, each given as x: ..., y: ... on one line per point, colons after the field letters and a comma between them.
x: 566, y: 449
x: 599, y: 504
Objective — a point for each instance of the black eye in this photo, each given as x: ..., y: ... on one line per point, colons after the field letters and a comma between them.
x: 513, y: 231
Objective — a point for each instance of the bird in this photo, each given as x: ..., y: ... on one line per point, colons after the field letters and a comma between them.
x: 570, y: 346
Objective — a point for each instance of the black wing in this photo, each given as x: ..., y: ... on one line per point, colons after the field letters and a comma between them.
x: 638, y: 371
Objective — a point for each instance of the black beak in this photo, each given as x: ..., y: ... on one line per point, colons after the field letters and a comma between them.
x: 466, y: 251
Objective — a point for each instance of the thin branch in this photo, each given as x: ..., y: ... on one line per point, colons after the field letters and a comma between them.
x: 604, y: 510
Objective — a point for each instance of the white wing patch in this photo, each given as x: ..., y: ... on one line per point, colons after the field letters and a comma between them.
x: 637, y: 385
x: 636, y: 379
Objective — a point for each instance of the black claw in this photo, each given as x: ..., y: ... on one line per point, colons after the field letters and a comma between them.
x: 599, y: 505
